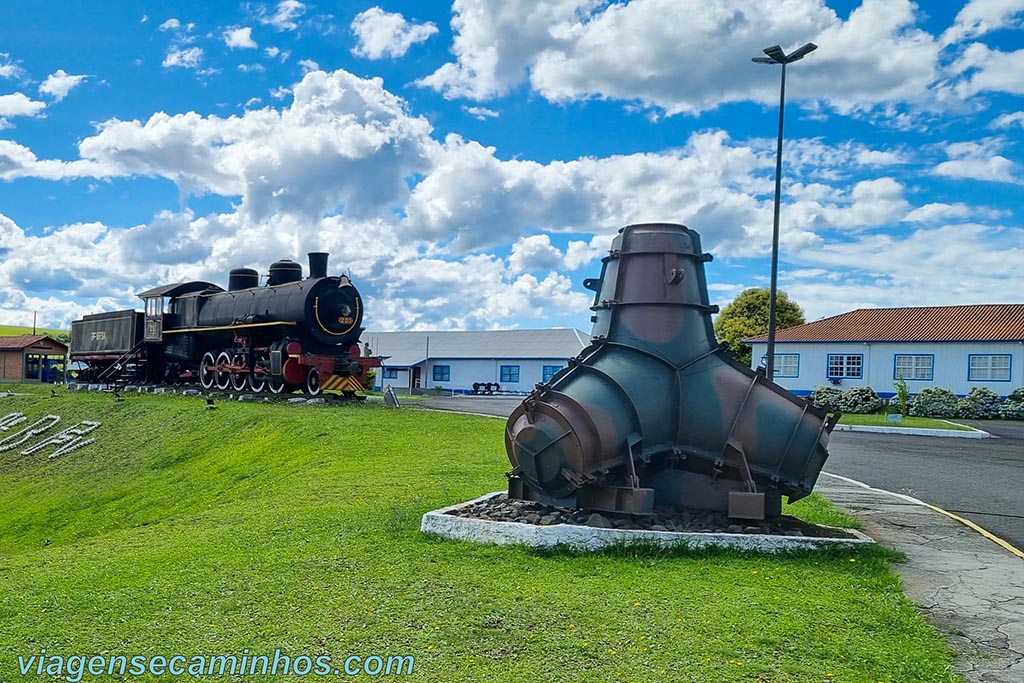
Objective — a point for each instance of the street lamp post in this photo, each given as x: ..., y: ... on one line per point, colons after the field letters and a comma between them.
x: 777, y: 56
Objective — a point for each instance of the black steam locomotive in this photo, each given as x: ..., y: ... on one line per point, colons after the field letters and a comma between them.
x: 291, y: 333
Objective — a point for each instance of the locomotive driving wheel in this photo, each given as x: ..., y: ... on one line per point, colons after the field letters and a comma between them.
x: 276, y: 385
x: 313, y: 382
x: 239, y: 380
x: 207, y: 374
x: 223, y: 376
x: 258, y: 383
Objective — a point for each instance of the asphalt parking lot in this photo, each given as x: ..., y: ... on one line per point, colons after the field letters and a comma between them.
x: 978, y: 479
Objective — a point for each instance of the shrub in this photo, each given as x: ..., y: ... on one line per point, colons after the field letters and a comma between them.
x: 859, y: 400
x: 1013, y: 407
x: 979, y: 404
x: 902, y: 394
x: 826, y: 397
x: 934, y: 402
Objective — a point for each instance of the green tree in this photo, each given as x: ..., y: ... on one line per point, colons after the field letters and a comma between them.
x: 747, y: 316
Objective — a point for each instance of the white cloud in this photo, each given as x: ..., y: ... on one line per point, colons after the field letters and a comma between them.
x: 308, y: 65
x: 240, y: 37
x: 184, y: 58
x: 985, y: 69
x: 979, y: 17
x: 171, y: 24
x: 271, y: 51
x: 284, y: 16
x: 59, y: 84
x: 480, y: 113
x: 976, y: 262
x: 9, y: 69
x: 17, y: 161
x: 938, y: 211
x: 978, y: 161
x: 382, y: 34
x: 534, y: 253
x: 1008, y: 120
x: 343, y: 141
x: 251, y: 68
x: 19, y: 104
x: 574, y: 49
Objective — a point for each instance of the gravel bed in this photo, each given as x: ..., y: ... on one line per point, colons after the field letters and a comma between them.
x: 503, y: 509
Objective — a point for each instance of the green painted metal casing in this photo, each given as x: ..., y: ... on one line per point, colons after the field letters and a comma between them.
x: 655, y: 404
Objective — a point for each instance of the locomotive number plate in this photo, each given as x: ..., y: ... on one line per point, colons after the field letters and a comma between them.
x: 345, y: 320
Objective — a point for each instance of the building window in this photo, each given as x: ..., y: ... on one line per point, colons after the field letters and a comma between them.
x: 442, y: 373
x: 550, y: 371
x: 390, y: 373
x: 995, y: 368
x: 909, y: 366
x: 843, y: 366
x: 787, y: 365
x: 510, y: 374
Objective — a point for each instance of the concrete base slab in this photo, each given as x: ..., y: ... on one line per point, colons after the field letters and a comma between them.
x: 440, y: 523
x: 917, y: 431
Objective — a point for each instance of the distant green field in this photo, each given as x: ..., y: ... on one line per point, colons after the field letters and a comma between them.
x: 15, y: 330
x: 266, y: 526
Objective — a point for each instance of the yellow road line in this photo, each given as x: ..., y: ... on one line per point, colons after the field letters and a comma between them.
x: 984, y: 532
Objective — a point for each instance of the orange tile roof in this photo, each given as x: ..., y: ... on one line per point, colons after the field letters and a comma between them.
x: 985, y: 322
x: 22, y: 341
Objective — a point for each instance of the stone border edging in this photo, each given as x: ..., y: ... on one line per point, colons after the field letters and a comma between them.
x: 591, y: 538
x: 917, y: 431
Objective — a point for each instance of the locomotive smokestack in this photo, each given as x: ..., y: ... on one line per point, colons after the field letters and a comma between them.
x: 317, y: 264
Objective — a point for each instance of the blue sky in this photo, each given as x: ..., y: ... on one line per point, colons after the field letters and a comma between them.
x: 468, y: 163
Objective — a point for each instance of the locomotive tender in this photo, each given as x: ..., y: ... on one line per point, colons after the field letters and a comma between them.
x: 291, y: 333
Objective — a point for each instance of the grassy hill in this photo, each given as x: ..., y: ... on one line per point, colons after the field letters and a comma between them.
x: 15, y: 330
x: 267, y: 526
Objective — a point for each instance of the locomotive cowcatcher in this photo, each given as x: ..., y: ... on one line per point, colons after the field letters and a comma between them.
x: 289, y: 334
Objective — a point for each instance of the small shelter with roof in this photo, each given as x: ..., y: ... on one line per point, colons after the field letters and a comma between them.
x: 32, y: 358
x: 515, y: 360
x: 953, y: 347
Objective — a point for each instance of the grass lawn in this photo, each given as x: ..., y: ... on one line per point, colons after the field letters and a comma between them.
x: 267, y: 526
x: 878, y: 420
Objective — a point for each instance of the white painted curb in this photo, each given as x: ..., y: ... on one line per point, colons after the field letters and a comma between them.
x: 917, y: 431
x: 590, y: 538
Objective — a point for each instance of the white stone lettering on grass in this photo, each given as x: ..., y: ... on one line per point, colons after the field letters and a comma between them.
x: 11, y: 419
x: 35, y: 429
x: 67, y: 440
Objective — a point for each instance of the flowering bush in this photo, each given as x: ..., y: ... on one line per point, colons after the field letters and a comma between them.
x: 1013, y: 407
x: 826, y: 397
x: 934, y: 402
x: 859, y: 400
x: 979, y: 404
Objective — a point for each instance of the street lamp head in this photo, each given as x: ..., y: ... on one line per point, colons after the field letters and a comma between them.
x: 801, y: 52
x: 777, y: 56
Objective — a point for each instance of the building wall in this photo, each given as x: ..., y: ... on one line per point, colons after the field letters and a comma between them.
x: 463, y: 373
x: 950, y: 365
x: 10, y: 361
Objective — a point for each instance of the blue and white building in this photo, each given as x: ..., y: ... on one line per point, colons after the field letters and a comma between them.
x: 516, y: 360
x: 953, y: 347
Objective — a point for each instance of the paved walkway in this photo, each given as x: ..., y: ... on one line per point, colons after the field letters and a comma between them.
x: 965, y: 584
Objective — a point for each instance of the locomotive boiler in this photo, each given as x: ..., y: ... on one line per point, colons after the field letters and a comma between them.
x: 291, y: 333
x: 654, y: 412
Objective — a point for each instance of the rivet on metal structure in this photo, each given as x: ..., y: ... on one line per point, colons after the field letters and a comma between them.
x: 654, y: 412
